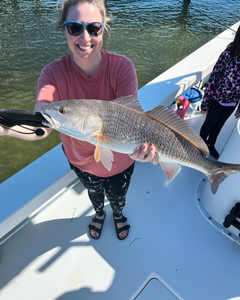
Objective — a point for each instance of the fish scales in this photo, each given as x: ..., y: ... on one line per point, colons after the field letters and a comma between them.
x: 121, y: 125
x: 126, y: 129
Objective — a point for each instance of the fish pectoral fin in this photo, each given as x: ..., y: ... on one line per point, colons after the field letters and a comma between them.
x: 170, y: 169
x: 97, y: 152
x: 105, y: 155
x: 107, y: 158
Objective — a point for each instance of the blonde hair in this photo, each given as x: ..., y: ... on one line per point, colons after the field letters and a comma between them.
x: 66, y: 4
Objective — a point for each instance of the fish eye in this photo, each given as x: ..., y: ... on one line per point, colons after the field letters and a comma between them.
x: 62, y: 110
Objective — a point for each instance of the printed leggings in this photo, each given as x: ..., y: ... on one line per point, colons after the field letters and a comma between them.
x: 215, y: 119
x: 114, y: 187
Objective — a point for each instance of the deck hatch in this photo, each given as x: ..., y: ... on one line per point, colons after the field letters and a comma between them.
x: 155, y: 288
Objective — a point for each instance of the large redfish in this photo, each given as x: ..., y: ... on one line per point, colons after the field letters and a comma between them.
x: 122, y: 126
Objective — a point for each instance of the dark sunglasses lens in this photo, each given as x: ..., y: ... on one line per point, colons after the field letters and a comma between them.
x: 94, y: 29
x: 74, y: 28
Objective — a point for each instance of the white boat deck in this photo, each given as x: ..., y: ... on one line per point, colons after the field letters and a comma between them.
x: 170, y: 242
x: 177, y: 247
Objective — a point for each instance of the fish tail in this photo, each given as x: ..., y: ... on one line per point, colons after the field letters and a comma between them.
x: 223, y: 171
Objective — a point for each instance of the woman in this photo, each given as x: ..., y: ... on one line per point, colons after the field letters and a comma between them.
x: 222, y: 94
x: 89, y: 72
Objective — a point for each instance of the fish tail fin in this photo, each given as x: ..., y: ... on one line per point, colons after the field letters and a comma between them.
x: 223, y: 171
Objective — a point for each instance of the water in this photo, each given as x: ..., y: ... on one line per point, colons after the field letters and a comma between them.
x: 153, y: 34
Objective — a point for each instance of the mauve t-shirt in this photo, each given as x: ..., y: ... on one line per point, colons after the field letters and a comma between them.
x: 63, y: 80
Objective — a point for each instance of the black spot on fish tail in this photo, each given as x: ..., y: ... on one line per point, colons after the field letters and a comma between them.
x: 220, y: 174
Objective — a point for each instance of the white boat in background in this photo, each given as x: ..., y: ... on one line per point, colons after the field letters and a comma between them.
x: 177, y: 247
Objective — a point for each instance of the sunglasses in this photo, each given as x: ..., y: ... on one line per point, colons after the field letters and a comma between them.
x: 76, y: 28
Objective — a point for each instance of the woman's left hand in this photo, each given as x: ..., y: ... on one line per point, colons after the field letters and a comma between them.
x: 145, y: 154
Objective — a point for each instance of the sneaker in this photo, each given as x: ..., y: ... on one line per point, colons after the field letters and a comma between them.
x: 213, y: 152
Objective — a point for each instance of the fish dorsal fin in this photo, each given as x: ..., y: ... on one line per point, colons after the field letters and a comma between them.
x: 129, y: 101
x: 175, y: 123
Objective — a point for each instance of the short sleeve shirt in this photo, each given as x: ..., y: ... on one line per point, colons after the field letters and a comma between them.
x: 63, y: 80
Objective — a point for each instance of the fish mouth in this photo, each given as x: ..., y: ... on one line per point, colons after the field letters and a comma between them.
x: 50, y: 122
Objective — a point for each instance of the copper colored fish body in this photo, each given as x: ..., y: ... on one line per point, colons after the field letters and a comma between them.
x: 121, y: 125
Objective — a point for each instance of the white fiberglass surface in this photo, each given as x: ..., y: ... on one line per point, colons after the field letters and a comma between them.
x: 217, y: 207
x: 54, y: 258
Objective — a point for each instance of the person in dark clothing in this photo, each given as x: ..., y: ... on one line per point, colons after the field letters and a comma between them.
x: 222, y: 94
